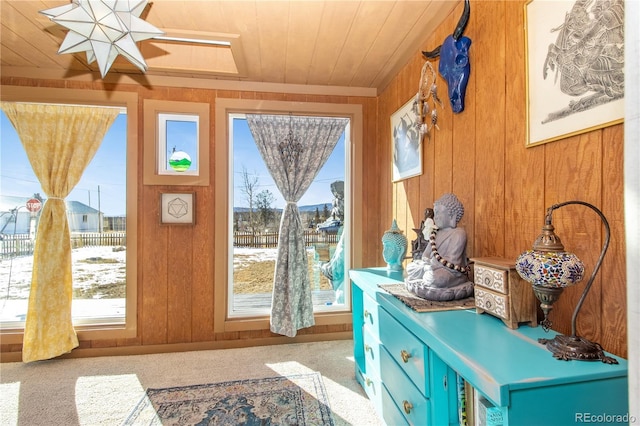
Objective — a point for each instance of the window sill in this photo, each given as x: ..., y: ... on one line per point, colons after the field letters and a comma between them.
x: 262, y: 323
x: 14, y: 333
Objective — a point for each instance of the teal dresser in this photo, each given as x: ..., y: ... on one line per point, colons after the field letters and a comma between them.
x: 408, y: 363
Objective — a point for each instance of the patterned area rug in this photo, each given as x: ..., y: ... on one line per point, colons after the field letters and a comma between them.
x: 294, y: 400
x: 419, y: 304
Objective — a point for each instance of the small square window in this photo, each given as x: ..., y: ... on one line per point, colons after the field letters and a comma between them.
x: 176, y: 143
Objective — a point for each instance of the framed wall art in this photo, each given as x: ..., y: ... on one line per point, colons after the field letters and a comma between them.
x: 177, y: 208
x: 406, y: 149
x: 575, y: 67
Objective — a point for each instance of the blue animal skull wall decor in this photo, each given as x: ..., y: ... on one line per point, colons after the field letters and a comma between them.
x: 454, y: 64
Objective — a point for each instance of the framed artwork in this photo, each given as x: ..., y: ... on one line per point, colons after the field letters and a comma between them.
x: 575, y: 67
x: 406, y: 149
x: 177, y: 208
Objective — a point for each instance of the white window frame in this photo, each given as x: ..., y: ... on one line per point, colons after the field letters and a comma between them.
x: 96, y: 328
x: 164, y: 145
x: 155, y: 145
x: 224, y: 106
x: 346, y: 307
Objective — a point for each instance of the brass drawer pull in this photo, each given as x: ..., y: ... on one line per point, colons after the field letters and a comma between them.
x: 407, y: 406
x: 367, y: 348
x: 368, y: 381
x: 405, y: 356
x: 366, y: 314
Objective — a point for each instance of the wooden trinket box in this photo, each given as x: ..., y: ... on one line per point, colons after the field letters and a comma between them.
x: 501, y: 292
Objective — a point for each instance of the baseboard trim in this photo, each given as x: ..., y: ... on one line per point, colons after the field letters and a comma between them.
x: 188, y: 347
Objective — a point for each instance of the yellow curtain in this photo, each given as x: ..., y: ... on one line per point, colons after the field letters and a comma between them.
x: 60, y: 141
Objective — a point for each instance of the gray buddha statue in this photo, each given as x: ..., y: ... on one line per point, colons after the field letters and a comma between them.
x: 442, y: 272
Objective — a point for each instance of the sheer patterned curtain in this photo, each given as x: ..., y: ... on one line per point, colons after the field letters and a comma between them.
x: 60, y: 141
x: 294, y: 149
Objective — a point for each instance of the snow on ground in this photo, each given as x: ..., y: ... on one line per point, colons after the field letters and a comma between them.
x: 101, y: 266
x: 88, y: 268
x: 15, y: 274
x: 243, y: 256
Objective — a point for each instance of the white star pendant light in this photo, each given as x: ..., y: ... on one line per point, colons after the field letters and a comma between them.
x: 104, y: 29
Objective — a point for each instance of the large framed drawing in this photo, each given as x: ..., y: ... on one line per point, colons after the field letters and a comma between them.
x: 575, y: 67
x: 405, y: 142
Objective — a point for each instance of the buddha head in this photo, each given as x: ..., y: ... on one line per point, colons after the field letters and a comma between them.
x: 394, y: 247
x: 448, y: 211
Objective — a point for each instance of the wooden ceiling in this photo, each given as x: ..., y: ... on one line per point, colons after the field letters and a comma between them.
x: 355, y: 44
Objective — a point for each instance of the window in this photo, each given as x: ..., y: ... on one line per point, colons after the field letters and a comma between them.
x: 228, y: 315
x: 176, y: 143
x: 104, y: 259
x: 257, y: 210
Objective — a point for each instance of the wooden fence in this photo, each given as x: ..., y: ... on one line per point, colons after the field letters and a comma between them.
x: 15, y: 246
x: 23, y: 245
x: 270, y: 239
x: 94, y: 239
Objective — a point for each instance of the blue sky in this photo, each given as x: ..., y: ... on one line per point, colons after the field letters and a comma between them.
x: 246, y: 153
x: 107, y: 170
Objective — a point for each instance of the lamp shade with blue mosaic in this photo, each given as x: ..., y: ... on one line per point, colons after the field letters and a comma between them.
x: 550, y: 269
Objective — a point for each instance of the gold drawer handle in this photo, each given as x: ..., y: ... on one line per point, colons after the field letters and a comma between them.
x: 366, y: 314
x: 407, y: 406
x: 367, y: 348
x: 368, y: 381
x: 405, y: 356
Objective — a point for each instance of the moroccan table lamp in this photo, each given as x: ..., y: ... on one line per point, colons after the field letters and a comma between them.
x: 550, y: 269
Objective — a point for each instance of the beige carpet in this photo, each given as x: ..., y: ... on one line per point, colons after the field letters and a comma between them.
x: 104, y: 390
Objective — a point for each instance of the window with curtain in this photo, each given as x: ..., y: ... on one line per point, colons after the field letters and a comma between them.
x: 257, y: 208
x: 96, y: 212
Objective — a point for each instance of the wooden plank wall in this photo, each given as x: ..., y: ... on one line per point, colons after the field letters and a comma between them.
x: 480, y: 155
x: 176, y: 264
x: 176, y: 303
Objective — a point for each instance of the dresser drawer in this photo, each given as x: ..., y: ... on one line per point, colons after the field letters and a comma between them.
x: 370, y: 314
x: 493, y: 279
x: 372, y: 386
x: 390, y: 412
x: 405, y: 348
x: 493, y: 302
x: 371, y: 353
x: 408, y: 399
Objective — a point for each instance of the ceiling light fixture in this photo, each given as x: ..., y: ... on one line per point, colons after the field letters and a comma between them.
x: 104, y: 29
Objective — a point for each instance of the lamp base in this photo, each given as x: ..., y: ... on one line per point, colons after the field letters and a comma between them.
x: 547, y: 297
x: 578, y: 348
